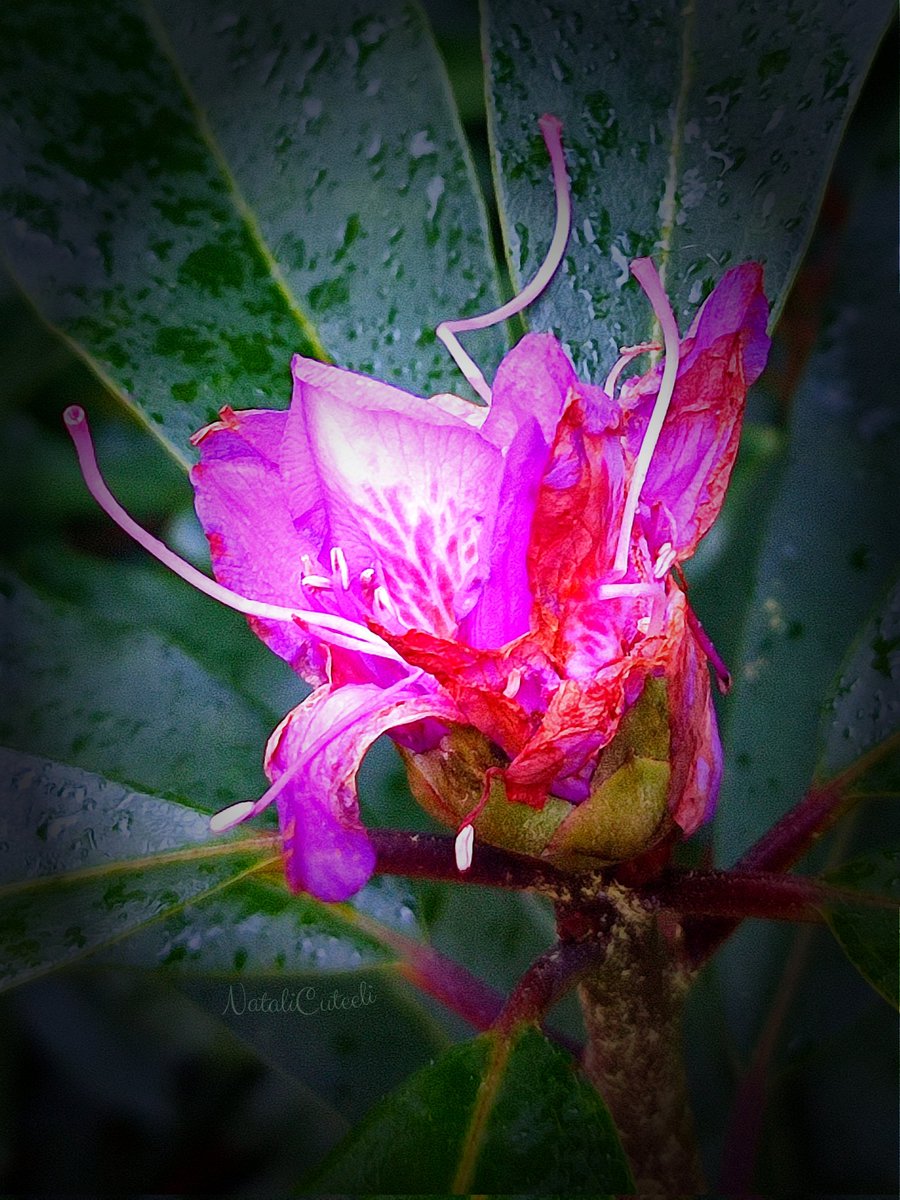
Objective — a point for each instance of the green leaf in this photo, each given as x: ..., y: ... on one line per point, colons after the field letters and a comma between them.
x: 476, y: 1121
x: 86, y: 864
x: 861, y: 722
x: 193, y: 194
x: 702, y: 134
x: 127, y: 703
x: 831, y: 541
x: 869, y: 936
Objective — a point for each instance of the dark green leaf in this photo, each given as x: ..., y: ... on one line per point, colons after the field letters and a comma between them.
x: 869, y: 936
x: 862, y: 719
x: 489, y: 1117
x: 192, y: 194
x: 85, y: 864
x: 127, y: 703
x: 702, y: 134
x: 830, y: 545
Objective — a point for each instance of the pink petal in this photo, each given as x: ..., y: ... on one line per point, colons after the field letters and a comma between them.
x: 414, y: 500
x: 322, y: 743
x: 254, y: 545
x: 529, y: 393
x: 696, y: 751
x: 692, y: 462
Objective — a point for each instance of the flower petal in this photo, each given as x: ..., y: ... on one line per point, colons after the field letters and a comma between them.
x: 722, y: 356
x: 414, y: 500
x: 529, y: 394
x: 254, y: 545
x: 576, y: 523
x: 322, y: 743
x: 696, y: 750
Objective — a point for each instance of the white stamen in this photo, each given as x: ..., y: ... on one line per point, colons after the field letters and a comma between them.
x: 463, y: 847
x: 339, y: 566
x: 626, y: 354
x: 317, y: 581
x: 367, y: 576
x: 551, y: 129
x: 643, y: 624
x: 664, y: 560
x: 338, y: 630
x: 646, y: 274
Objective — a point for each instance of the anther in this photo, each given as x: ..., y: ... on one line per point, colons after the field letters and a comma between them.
x: 463, y: 848
x: 513, y: 683
x: 551, y: 129
x: 222, y: 821
x: 320, y: 582
x: 339, y: 566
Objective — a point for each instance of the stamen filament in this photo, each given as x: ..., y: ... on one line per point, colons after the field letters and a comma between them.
x: 551, y: 129
x: 626, y: 354
x: 338, y: 630
x: 646, y: 274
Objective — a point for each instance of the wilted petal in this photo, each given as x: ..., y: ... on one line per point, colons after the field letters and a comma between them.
x: 692, y: 462
x: 576, y: 523
x: 696, y: 753
x: 255, y: 548
x: 322, y: 743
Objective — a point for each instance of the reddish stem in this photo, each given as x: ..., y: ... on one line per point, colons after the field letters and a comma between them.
x: 548, y: 979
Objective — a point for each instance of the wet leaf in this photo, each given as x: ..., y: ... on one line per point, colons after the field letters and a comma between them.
x: 702, y: 134
x: 861, y: 722
x: 870, y: 937
x: 127, y: 703
x: 86, y: 864
x: 191, y: 194
x: 475, y: 1121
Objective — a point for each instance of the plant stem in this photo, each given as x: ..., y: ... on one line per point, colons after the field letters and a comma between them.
x: 632, y: 1006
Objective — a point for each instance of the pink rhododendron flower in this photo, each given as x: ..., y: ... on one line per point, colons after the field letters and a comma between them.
x: 427, y: 564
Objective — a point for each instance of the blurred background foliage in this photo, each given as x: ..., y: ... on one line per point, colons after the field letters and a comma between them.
x: 114, y: 1079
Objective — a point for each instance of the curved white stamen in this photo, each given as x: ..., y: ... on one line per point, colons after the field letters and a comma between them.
x: 551, y: 128
x: 463, y: 847
x: 338, y: 630
x: 321, y: 582
x: 381, y: 600
x: 367, y: 575
x: 626, y: 354
x: 339, y: 566
x: 646, y: 274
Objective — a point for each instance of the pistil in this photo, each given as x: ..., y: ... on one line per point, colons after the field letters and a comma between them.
x: 551, y: 129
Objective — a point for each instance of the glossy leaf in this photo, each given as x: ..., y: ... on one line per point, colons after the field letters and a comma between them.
x: 192, y: 194
x: 830, y: 545
x: 870, y: 937
x: 127, y: 703
x: 862, y: 720
x: 489, y: 1117
x: 86, y: 864
x: 701, y: 134
x: 111, y: 852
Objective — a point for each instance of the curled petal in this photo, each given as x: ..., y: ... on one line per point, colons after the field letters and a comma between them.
x: 321, y: 744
